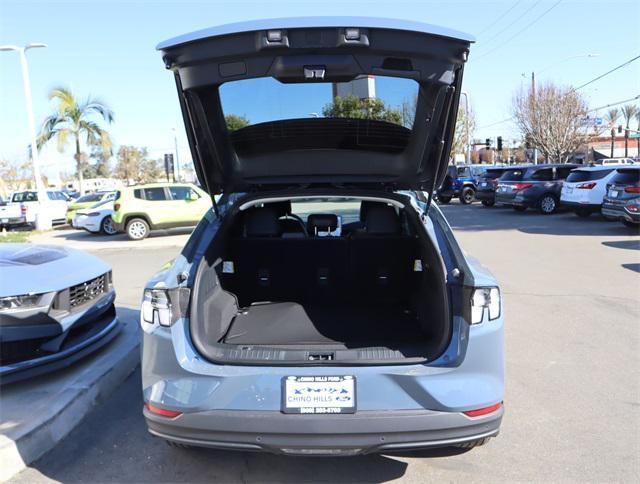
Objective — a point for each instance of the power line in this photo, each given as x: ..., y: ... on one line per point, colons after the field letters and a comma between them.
x: 513, y: 22
x: 500, y: 17
x: 607, y: 73
x: 614, y: 104
x: 521, y: 31
x: 495, y: 124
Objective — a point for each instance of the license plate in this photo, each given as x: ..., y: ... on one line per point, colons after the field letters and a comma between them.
x: 484, y: 184
x: 319, y: 394
x: 614, y: 193
x: 569, y: 189
x: 5, y: 220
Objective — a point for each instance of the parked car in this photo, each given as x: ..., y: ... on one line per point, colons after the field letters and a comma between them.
x: 54, y: 207
x: 11, y: 215
x: 96, y: 219
x: 86, y: 201
x: 275, y: 331
x: 460, y: 183
x: 488, y: 182
x: 622, y: 200
x: 56, y: 306
x: 539, y: 188
x: 615, y: 161
x: 585, y: 188
x: 140, y: 209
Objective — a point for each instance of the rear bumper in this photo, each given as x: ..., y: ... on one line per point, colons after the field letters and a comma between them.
x: 9, y: 221
x: 580, y: 205
x: 618, y: 212
x: 486, y: 195
x: 359, y: 433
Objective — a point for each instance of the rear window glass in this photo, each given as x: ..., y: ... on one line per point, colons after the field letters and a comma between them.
x: 544, y: 174
x: 137, y: 193
x: 464, y: 172
x: 492, y: 174
x: 154, y: 194
x: 25, y: 197
x: 94, y: 197
x: 624, y: 177
x: 587, y: 175
x: 182, y: 193
x: 512, y: 175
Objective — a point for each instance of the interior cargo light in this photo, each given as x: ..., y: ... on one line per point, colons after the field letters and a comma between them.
x: 485, y: 298
x: 162, y: 411
x: 483, y: 411
x: 351, y: 33
x: 274, y: 35
x: 586, y: 186
x: 156, y: 307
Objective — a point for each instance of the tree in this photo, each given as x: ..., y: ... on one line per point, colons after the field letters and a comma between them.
x: 460, y: 134
x: 134, y: 165
x: 76, y: 120
x: 355, y: 108
x: 612, y: 118
x: 551, y: 119
x: 628, y: 112
x: 235, y: 122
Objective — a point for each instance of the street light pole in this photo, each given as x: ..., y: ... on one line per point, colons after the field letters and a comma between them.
x: 175, y: 144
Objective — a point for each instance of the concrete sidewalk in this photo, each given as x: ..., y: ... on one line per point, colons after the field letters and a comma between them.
x: 36, y: 414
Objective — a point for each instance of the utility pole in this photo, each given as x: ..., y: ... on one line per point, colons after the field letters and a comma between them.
x: 533, y: 96
x: 175, y: 143
x: 466, y: 127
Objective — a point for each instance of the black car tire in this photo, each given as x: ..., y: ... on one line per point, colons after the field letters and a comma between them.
x: 548, y: 204
x: 583, y: 212
x: 472, y: 444
x: 444, y: 200
x: 488, y: 203
x: 467, y: 195
x: 107, y: 227
x: 137, y: 228
x: 519, y: 208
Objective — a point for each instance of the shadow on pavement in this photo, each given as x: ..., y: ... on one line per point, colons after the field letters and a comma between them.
x: 477, y: 218
x: 623, y: 244
x: 112, y: 445
x: 632, y: 267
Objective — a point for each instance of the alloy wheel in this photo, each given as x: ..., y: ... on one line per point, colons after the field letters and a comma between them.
x: 548, y: 204
x: 108, y: 227
x: 137, y: 230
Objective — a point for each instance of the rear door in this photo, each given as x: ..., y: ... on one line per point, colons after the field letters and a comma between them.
x: 187, y: 206
x: 157, y: 205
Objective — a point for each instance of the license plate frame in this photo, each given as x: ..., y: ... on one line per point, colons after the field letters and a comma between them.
x: 324, y: 388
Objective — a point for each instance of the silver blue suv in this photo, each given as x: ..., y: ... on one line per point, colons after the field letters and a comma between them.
x: 323, y: 305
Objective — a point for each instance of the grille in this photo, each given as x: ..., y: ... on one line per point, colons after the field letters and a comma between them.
x: 87, y: 291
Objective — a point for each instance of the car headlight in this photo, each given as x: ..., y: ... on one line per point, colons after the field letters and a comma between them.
x: 26, y: 301
x: 485, y: 299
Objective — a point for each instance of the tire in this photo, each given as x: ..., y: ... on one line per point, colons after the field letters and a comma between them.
x: 518, y: 208
x: 137, y: 228
x: 177, y: 445
x: 548, y: 204
x: 467, y: 195
x: 583, y: 212
x: 473, y: 443
x: 444, y: 200
x: 488, y: 203
x: 107, y: 227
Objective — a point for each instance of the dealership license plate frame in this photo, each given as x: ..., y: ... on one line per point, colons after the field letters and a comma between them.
x: 319, y: 381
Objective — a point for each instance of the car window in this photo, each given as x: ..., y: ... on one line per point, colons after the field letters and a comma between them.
x: 512, y: 175
x: 25, y: 197
x: 464, y: 172
x: 154, y: 194
x: 182, y: 193
x: 544, y: 174
x: 626, y: 176
x: 137, y: 193
x: 451, y: 171
x: 94, y: 197
x: 587, y: 175
x: 348, y: 210
x: 492, y: 174
x: 562, y: 172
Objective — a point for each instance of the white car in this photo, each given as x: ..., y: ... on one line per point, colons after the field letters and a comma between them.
x: 55, y: 206
x: 615, y: 161
x: 585, y: 188
x: 95, y: 219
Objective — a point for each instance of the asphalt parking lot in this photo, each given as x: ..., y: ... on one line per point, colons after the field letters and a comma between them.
x: 572, y: 306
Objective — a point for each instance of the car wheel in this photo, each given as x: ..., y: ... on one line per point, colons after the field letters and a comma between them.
x: 548, y: 204
x: 488, y: 203
x: 519, y: 208
x: 137, y: 228
x: 583, y: 212
x: 473, y: 443
x: 467, y: 195
x: 444, y: 200
x: 107, y: 227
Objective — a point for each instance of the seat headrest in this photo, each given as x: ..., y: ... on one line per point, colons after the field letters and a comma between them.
x: 321, y: 222
x: 364, y: 206
x: 261, y: 222
x: 382, y: 219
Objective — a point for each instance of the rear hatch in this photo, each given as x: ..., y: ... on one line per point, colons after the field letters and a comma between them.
x: 319, y: 101
x: 624, y: 187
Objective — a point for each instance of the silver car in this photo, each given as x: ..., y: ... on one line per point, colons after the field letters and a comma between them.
x: 323, y: 306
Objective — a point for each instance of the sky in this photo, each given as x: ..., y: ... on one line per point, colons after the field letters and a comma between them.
x: 106, y: 49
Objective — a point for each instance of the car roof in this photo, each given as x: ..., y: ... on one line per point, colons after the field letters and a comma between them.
x: 311, y: 22
x: 598, y: 167
x: 160, y: 185
x: 553, y: 165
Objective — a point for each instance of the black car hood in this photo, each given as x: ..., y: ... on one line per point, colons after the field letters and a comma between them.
x: 319, y: 151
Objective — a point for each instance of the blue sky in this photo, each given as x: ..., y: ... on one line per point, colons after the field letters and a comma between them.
x: 107, y: 49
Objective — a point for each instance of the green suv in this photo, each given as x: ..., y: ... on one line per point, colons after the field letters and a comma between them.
x: 139, y: 209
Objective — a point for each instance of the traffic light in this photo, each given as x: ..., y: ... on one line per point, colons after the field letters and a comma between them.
x: 619, y: 128
x: 487, y: 143
x: 499, y: 143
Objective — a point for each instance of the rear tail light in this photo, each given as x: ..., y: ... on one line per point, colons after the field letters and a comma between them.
x: 484, y: 411
x: 632, y: 209
x: 521, y: 186
x: 116, y: 207
x: 23, y: 209
x: 162, y: 411
x: 586, y: 186
x: 632, y: 189
x: 485, y: 299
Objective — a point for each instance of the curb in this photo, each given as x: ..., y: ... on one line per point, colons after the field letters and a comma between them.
x: 107, y: 370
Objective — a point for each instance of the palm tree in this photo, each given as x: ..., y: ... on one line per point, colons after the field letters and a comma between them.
x: 628, y: 111
x: 76, y: 120
x: 612, y: 117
